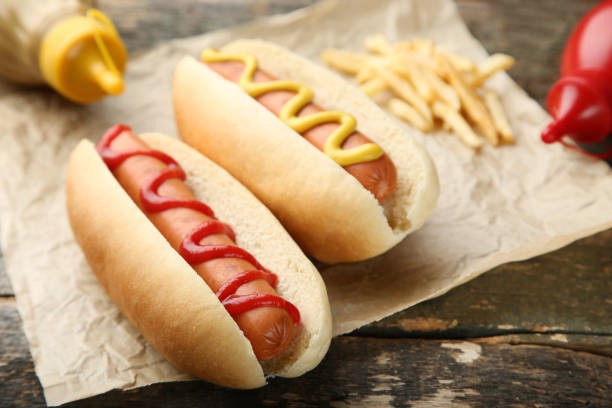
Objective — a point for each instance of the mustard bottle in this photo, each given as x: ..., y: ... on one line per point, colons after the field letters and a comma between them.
x: 63, y: 43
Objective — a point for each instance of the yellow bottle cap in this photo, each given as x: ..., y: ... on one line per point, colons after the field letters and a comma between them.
x: 83, y: 58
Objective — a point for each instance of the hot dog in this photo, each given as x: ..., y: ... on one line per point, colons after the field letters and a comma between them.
x: 148, y: 181
x: 328, y: 206
x: 268, y: 329
x: 377, y: 176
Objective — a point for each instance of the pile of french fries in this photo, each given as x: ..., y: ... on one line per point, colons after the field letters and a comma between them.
x: 428, y: 83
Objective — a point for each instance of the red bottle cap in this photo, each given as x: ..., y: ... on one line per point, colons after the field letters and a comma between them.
x: 579, y: 110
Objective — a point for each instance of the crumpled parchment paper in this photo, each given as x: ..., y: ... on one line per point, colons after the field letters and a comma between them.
x: 499, y: 205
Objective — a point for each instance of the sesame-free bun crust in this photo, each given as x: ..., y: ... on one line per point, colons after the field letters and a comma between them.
x: 323, y: 207
x: 164, y: 297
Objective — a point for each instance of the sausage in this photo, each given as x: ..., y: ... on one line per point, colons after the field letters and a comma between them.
x: 378, y: 176
x: 269, y: 329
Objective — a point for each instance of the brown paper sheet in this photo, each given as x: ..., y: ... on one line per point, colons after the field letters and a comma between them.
x: 501, y: 205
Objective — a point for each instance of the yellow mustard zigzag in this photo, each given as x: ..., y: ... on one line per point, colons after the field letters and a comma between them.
x: 288, y: 114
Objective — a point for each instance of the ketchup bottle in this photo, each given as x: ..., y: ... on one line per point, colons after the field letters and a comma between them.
x: 581, y: 101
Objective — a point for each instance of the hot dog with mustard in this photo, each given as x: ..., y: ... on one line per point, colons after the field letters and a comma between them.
x: 341, y: 176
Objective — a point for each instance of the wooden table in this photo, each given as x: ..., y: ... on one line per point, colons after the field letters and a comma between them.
x: 532, y: 333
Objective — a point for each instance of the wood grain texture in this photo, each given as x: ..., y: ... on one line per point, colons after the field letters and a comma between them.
x: 543, y: 325
x: 19, y: 385
x: 369, y: 372
x: 392, y: 372
x: 143, y: 24
x: 566, y: 291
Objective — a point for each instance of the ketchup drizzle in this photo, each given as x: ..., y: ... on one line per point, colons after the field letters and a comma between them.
x: 153, y: 202
x: 237, y: 304
x: 190, y: 247
x: 191, y: 250
x: 229, y: 288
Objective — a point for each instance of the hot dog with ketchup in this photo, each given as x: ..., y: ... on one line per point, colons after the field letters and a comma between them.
x: 116, y: 192
x: 341, y: 176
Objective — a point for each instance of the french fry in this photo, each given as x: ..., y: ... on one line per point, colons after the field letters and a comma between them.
x: 490, y: 66
x: 420, y: 82
x: 414, y: 74
x: 493, y: 103
x: 470, y: 101
x: 378, y: 44
x: 405, y: 91
x: 345, y: 61
x: 462, y: 64
x: 401, y: 61
x: 403, y: 47
x: 405, y: 111
x: 365, y: 74
x: 423, y: 46
x: 457, y: 124
x: 374, y: 86
x: 444, y: 91
x: 428, y: 81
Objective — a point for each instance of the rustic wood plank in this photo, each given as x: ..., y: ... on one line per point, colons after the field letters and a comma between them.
x: 144, y: 24
x: 385, y: 372
x: 357, y: 371
x: 565, y: 291
x: 589, y: 343
x: 19, y: 385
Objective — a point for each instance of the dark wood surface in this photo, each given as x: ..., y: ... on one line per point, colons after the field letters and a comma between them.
x: 531, y: 333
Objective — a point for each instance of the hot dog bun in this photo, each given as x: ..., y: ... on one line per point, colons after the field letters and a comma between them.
x: 325, y: 209
x: 163, y: 296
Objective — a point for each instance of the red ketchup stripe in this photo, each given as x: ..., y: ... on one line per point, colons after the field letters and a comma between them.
x: 114, y: 159
x: 111, y: 134
x: 238, y: 304
x: 195, y: 253
x: 205, y: 229
x: 230, y: 287
x: 153, y: 202
x: 191, y: 249
x: 202, y: 253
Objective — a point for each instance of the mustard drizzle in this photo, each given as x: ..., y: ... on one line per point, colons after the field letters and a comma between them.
x: 288, y: 114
